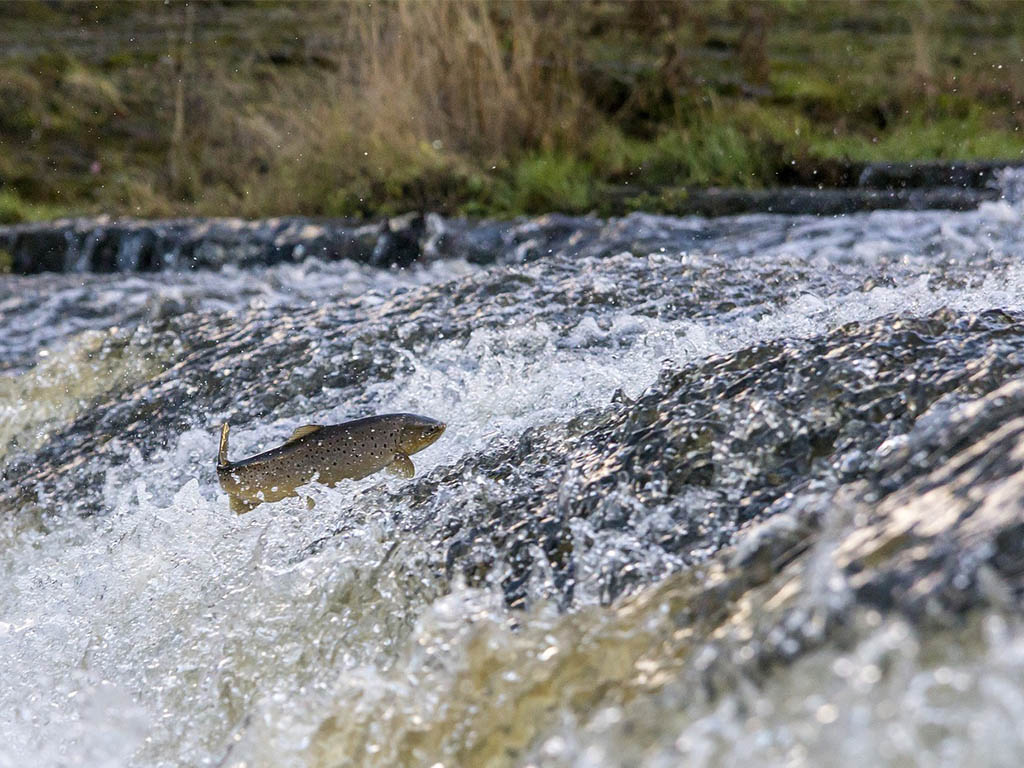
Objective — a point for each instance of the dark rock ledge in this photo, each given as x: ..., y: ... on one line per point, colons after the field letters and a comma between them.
x: 104, y: 244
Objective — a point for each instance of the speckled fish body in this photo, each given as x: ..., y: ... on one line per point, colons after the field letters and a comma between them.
x: 327, y: 454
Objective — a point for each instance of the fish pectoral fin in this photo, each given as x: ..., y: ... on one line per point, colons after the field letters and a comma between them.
x: 240, y: 506
x: 401, y: 466
x: 301, y: 432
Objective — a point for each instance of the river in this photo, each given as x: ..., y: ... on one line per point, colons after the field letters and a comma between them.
x: 712, y: 490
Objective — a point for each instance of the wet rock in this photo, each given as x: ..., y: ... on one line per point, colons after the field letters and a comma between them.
x: 138, y: 252
x: 98, y: 245
x: 101, y: 245
x: 399, y: 242
x: 976, y: 174
x: 38, y: 249
x: 476, y: 242
x: 829, y: 202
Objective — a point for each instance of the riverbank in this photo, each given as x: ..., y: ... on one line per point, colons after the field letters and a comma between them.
x: 494, y: 109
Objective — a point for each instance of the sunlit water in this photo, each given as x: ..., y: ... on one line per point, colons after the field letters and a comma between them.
x: 166, y: 631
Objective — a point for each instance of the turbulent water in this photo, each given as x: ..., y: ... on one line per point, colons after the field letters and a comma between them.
x: 711, y: 490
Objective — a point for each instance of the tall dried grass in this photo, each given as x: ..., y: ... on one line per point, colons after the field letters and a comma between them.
x: 482, y: 77
x: 425, y: 94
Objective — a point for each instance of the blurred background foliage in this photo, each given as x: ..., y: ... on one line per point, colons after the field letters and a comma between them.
x: 485, y: 108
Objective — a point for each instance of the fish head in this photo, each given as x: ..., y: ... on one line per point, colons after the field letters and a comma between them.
x: 417, y: 432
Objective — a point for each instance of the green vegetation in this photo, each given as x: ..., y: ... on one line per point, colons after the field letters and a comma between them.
x: 14, y: 210
x: 346, y: 109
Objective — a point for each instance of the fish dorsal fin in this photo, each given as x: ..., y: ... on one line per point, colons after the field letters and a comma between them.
x: 301, y: 432
x: 222, y: 457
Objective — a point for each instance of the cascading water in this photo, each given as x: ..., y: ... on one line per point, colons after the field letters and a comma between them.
x: 710, y: 490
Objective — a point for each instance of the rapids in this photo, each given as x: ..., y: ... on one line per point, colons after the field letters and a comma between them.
x: 712, y: 490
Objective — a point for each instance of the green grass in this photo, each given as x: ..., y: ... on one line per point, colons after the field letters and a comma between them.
x: 544, y: 182
x: 717, y: 151
x: 14, y: 210
x: 967, y: 139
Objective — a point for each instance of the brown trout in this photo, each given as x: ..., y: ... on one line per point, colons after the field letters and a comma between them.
x: 328, y: 454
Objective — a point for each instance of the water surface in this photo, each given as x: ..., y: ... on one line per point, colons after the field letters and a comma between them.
x: 711, y: 490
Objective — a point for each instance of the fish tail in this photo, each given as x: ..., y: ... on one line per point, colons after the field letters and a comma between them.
x: 222, y: 458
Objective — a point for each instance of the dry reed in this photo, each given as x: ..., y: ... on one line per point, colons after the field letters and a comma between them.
x: 481, y: 77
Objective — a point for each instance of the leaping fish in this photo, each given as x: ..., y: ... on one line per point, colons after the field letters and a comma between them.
x: 329, y: 453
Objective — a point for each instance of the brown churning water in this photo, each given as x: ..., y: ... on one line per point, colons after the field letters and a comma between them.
x: 328, y: 454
